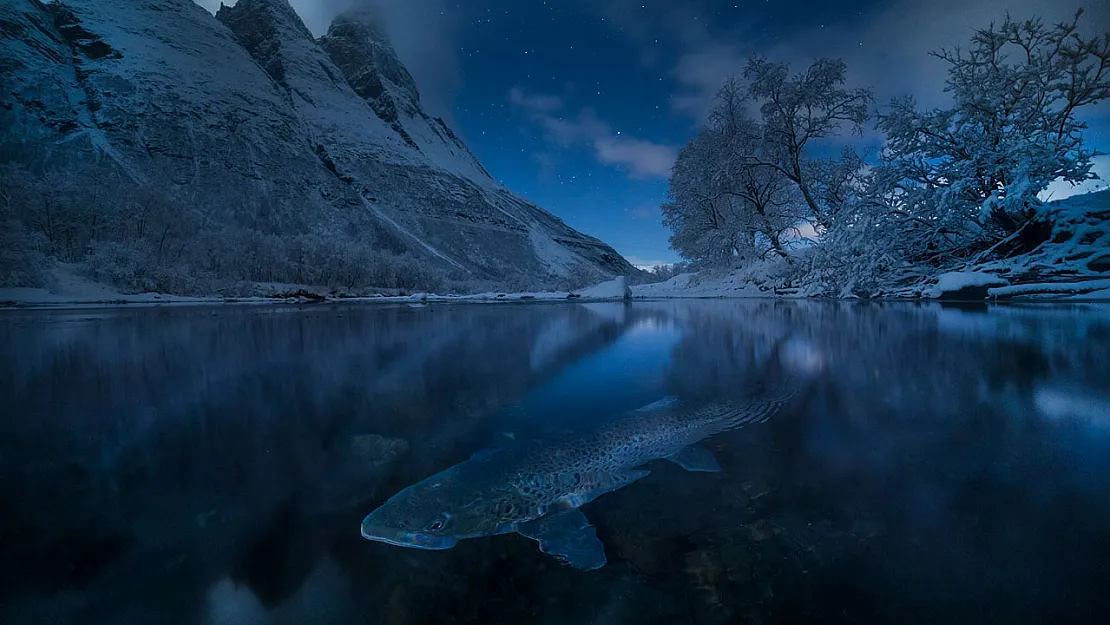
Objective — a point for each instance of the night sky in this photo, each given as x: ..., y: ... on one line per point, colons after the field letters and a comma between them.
x: 580, y: 105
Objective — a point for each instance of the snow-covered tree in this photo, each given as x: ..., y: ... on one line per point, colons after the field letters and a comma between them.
x: 725, y: 199
x: 742, y: 184
x: 797, y: 110
x: 963, y: 181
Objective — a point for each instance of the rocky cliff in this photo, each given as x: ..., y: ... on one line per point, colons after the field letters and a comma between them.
x: 248, y: 120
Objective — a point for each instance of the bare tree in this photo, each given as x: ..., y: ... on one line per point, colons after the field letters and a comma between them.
x: 726, y: 200
x: 799, y: 109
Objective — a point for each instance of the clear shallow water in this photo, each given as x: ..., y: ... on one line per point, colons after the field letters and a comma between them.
x: 212, y: 465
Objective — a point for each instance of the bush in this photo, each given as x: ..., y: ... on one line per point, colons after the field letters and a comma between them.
x: 140, y: 240
x: 22, y: 262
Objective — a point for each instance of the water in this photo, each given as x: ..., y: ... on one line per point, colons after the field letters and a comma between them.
x: 212, y: 465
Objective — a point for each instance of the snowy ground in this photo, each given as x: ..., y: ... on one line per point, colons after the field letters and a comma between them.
x: 694, y: 285
x: 66, y: 288
x: 965, y: 285
x: 69, y: 290
x: 1073, y: 265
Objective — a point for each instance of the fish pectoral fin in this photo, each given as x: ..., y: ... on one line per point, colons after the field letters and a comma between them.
x: 607, y: 483
x: 695, y: 458
x: 569, y: 537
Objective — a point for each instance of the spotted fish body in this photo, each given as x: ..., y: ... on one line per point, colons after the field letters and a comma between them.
x: 575, y: 470
x: 536, y: 488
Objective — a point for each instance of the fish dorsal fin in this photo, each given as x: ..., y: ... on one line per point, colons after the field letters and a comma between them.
x: 662, y: 404
x: 695, y: 458
x: 569, y: 537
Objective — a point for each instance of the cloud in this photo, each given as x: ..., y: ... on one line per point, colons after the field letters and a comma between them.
x: 641, y: 158
x: 885, y: 47
x: 644, y: 158
x: 422, y: 32
x: 650, y: 211
x: 536, y: 103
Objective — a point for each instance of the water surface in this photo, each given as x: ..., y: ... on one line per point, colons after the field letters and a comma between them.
x: 212, y: 465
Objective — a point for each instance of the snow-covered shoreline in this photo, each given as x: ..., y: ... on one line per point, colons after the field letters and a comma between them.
x: 968, y: 286
x: 86, y: 294
x: 683, y: 286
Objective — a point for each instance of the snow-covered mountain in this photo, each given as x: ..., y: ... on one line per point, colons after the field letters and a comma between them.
x: 247, y: 117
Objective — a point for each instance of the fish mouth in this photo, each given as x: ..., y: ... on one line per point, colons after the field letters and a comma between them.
x: 401, y: 538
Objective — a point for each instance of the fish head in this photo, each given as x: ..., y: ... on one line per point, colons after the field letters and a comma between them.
x: 438, y: 512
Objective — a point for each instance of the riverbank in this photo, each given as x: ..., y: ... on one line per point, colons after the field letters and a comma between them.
x: 68, y: 290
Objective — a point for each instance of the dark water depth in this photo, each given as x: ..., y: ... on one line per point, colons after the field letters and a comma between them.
x: 212, y: 465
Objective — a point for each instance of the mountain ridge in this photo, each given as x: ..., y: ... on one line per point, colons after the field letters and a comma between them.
x: 256, y: 125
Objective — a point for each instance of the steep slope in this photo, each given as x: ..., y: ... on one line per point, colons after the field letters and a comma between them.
x: 263, y: 128
x: 416, y: 175
x: 163, y: 92
x: 362, y: 51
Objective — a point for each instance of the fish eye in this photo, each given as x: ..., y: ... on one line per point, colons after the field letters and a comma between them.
x: 438, y: 523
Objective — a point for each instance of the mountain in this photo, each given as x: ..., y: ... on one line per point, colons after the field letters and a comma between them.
x: 258, y: 134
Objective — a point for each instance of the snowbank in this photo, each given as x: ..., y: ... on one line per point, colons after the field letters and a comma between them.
x: 617, y: 288
x: 1090, y: 288
x: 963, y: 285
x: 69, y: 290
x: 612, y: 290
x: 1074, y: 263
x: 66, y: 288
x: 691, y: 285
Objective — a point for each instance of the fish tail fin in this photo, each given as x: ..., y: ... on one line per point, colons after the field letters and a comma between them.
x: 758, y: 407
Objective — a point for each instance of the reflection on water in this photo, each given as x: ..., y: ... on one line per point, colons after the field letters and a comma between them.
x: 213, y: 465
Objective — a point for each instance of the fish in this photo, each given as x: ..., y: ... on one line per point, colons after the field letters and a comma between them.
x: 537, y: 488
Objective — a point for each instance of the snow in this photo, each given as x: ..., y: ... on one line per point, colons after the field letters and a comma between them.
x: 555, y: 257
x: 1101, y: 295
x: 700, y: 285
x: 194, y: 115
x: 617, y: 288
x: 405, y: 231
x: 68, y: 289
x: 1074, y: 265
x: 610, y: 291
x: 1052, y: 289
x: 954, y: 282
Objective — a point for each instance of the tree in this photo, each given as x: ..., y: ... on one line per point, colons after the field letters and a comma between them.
x: 964, y: 181
x: 725, y: 202
x: 797, y: 110
x: 740, y: 185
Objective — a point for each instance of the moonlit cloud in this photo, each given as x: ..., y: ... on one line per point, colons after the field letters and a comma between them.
x: 643, y: 158
x: 541, y: 103
x: 639, y: 157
